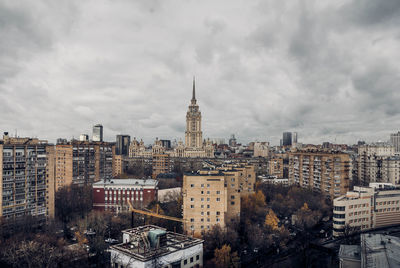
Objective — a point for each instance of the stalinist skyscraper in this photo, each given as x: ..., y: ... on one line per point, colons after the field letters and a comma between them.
x: 194, y: 145
x: 193, y: 134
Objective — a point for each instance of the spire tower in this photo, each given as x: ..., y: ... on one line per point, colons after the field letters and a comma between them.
x: 194, y: 92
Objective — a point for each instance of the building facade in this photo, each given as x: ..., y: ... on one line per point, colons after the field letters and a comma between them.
x: 212, y: 197
x: 80, y: 162
x: 327, y: 172
x: 367, y: 208
x: 97, y: 133
x: 395, y: 141
x: 27, y: 180
x: 287, y: 139
x: 114, y: 194
x: 122, y: 144
x: 261, y: 149
x: 370, y: 158
x: 160, y: 164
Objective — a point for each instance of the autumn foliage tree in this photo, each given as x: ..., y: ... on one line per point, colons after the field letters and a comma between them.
x: 223, y: 257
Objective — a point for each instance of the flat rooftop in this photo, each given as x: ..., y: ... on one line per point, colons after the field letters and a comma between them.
x: 379, y: 250
x: 137, y: 248
x: 126, y: 182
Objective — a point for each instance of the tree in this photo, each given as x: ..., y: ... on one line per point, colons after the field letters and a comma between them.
x: 224, y: 258
x: 271, y: 220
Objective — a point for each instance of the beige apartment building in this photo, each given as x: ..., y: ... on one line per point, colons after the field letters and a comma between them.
x: 26, y: 178
x: 327, y: 172
x: 367, y: 208
x: 82, y: 162
x: 276, y: 167
x: 213, y: 196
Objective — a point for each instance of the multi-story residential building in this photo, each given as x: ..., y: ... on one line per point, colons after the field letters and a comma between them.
x: 322, y: 171
x: 370, y: 158
x: 84, y: 162
x: 153, y: 246
x: 114, y: 194
x: 97, y: 133
x: 276, y: 166
x: 118, y: 165
x: 261, y: 149
x: 391, y: 170
x: 160, y: 164
x: 367, y: 208
x: 122, y: 145
x: 27, y: 180
x: 212, y: 197
x: 395, y: 141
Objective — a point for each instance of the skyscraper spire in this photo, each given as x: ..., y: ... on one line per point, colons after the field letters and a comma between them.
x: 194, y: 90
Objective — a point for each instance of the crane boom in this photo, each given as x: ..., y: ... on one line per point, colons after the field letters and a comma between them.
x: 154, y: 214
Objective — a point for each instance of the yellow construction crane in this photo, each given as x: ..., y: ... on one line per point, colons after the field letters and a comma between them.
x: 153, y: 214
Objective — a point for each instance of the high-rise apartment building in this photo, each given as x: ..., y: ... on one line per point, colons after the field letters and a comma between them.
x: 122, y: 145
x: 212, y: 197
x: 391, y: 170
x: 367, y: 208
x: 26, y: 175
x: 370, y: 161
x: 82, y: 162
x: 287, y: 139
x: 97, y: 133
x: 395, y: 141
x: 327, y: 172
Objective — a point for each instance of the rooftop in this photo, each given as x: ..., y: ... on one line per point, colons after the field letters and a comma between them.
x: 379, y: 250
x: 126, y: 182
x: 141, y: 247
x: 352, y: 252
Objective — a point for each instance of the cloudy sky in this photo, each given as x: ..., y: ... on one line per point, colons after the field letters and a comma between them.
x: 329, y: 70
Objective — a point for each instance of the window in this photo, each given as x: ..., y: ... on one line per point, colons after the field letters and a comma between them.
x: 191, y: 259
x: 208, y: 192
x: 208, y: 206
x: 191, y: 206
x: 202, y: 192
x: 202, y: 186
x: 233, y: 202
x: 232, y: 197
x: 208, y: 185
x: 192, y: 199
x: 192, y: 185
x: 198, y: 256
x: 185, y: 262
x: 191, y: 220
x: 233, y: 179
x: 218, y: 199
x: 208, y: 199
x: 202, y: 199
x: 218, y: 192
x: 218, y: 213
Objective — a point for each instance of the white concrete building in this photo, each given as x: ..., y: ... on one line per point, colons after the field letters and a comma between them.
x: 152, y: 246
x: 367, y: 208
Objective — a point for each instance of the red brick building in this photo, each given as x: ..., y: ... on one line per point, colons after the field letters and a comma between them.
x: 114, y: 194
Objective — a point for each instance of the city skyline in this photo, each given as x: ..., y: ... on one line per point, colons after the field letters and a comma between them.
x: 329, y: 72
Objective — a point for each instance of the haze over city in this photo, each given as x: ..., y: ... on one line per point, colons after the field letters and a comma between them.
x: 325, y: 69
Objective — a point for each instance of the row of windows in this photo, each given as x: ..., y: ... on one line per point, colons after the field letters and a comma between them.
x: 388, y: 202
x: 358, y: 220
x: 359, y: 206
x: 388, y: 209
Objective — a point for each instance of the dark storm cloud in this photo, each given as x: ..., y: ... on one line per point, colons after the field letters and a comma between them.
x: 326, y: 69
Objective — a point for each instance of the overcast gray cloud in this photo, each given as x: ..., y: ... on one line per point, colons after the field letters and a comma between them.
x: 326, y: 69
